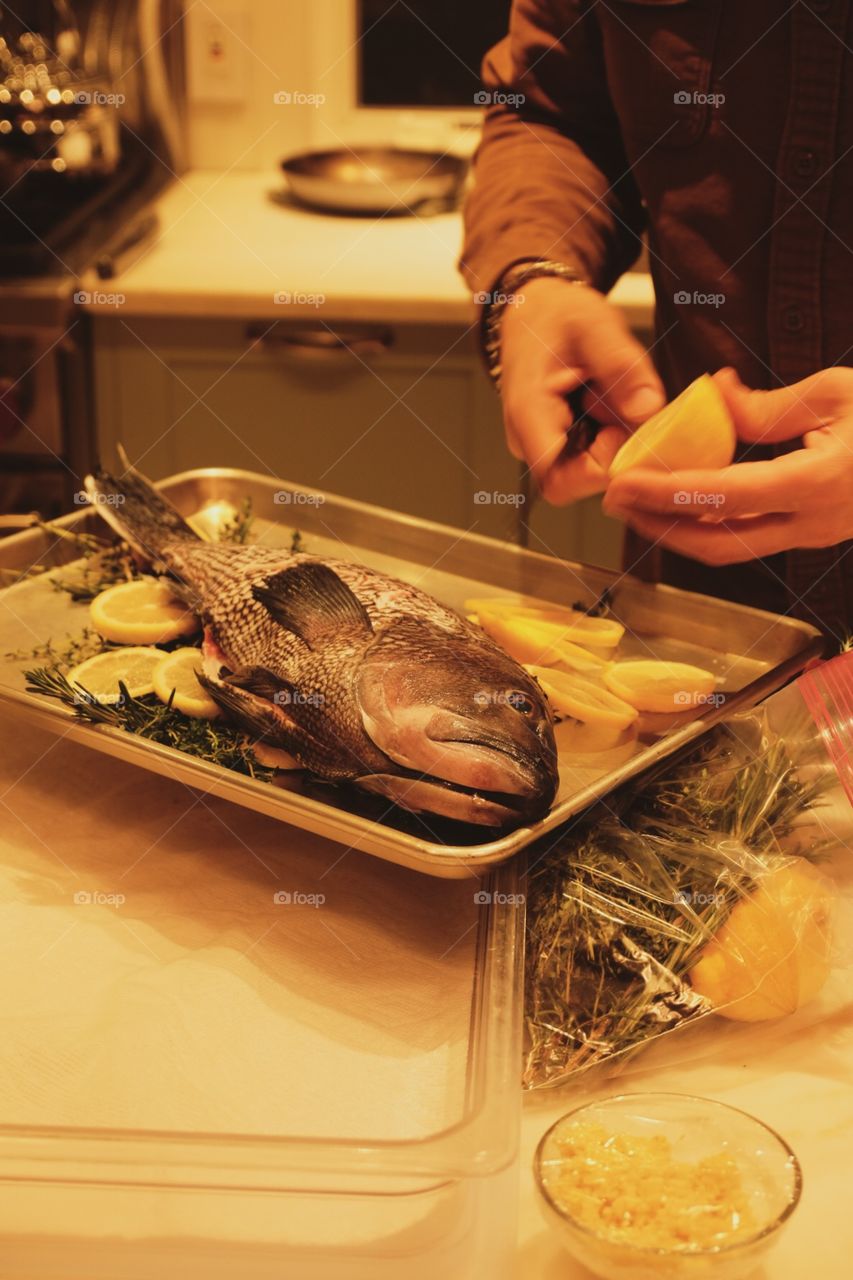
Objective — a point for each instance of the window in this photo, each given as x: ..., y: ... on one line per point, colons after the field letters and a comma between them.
x: 425, y: 53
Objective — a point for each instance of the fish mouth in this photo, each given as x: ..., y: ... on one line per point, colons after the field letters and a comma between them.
x: 420, y: 792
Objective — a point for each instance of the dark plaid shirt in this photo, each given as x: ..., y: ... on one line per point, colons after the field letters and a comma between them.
x: 724, y: 128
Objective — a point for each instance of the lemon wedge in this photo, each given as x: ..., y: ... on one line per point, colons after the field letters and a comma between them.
x: 773, y: 953
x: 541, y: 643
x: 573, y: 695
x: 652, y: 685
x: 177, y: 671
x: 100, y: 675
x: 695, y: 431
x: 600, y: 633
x: 141, y: 612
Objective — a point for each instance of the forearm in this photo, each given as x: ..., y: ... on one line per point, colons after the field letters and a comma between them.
x: 551, y: 179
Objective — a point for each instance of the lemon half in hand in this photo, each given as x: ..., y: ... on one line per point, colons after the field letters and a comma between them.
x: 693, y: 432
x: 141, y: 612
x: 100, y: 675
x: 175, y: 677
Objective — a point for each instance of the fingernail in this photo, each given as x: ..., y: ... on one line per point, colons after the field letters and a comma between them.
x: 642, y: 403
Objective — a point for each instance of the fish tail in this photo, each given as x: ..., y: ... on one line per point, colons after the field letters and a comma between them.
x: 130, y: 505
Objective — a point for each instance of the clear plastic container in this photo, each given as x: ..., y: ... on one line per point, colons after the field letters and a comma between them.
x: 220, y: 1076
x: 816, y: 711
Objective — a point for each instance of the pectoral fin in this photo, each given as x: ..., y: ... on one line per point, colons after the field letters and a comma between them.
x: 314, y: 603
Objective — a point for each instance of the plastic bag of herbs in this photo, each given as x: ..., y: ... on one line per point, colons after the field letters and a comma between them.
x: 699, y: 889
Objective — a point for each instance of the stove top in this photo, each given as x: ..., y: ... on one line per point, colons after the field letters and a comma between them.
x: 55, y: 225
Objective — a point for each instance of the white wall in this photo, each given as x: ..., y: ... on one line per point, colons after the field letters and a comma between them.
x: 266, y: 52
x: 303, y: 48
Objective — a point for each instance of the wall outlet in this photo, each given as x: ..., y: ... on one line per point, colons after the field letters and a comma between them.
x: 217, y: 53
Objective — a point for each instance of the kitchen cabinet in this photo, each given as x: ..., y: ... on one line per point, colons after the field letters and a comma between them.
x: 401, y: 416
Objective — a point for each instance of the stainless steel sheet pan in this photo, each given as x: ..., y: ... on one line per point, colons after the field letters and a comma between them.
x: 751, y: 652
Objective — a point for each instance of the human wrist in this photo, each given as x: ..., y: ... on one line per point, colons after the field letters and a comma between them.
x: 535, y: 277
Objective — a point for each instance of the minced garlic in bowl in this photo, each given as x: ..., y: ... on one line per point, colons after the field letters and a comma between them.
x: 648, y: 1185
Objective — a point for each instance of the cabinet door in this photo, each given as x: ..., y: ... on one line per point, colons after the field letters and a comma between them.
x: 402, y: 417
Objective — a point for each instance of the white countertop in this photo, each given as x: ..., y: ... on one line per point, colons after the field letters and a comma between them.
x: 794, y: 1075
x: 229, y: 244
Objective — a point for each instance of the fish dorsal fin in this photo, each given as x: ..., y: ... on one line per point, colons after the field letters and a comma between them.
x: 313, y: 602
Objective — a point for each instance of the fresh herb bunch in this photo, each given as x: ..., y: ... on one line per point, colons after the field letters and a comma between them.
x: 154, y: 720
x: 620, y: 909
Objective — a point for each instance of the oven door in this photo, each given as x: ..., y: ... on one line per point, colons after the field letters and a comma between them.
x: 41, y: 390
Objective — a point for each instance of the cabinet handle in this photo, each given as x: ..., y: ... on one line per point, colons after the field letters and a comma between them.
x: 324, y: 344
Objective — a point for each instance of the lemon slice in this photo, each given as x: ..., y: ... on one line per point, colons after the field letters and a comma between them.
x: 141, y: 612
x: 537, y: 642
x: 209, y: 521
x: 695, y: 431
x: 177, y: 671
x: 575, y: 696
x: 100, y: 675
x: 589, y: 744
x: 660, y: 686
x: 602, y: 633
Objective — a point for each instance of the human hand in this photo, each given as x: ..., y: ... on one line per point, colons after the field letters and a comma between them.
x: 560, y: 336
x: 753, y: 509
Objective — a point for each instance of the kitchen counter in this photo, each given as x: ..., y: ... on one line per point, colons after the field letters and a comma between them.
x: 231, y: 244
x: 794, y: 1076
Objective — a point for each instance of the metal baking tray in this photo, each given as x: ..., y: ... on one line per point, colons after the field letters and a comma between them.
x: 752, y: 652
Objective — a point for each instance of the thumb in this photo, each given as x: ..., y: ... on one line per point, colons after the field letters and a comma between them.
x: 783, y: 414
x: 620, y: 372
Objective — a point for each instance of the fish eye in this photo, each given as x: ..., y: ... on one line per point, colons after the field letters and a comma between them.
x: 520, y: 702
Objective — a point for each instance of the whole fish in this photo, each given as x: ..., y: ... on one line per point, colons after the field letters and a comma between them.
x: 361, y: 677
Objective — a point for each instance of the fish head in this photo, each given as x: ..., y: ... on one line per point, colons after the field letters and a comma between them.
x: 468, y: 730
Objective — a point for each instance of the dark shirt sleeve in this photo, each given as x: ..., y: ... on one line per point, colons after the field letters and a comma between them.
x: 551, y: 177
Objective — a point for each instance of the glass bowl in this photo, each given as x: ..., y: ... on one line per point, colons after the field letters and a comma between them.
x: 695, y: 1129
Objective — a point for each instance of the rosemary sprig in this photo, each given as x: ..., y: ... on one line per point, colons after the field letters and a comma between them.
x: 619, y: 910
x: 154, y: 720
